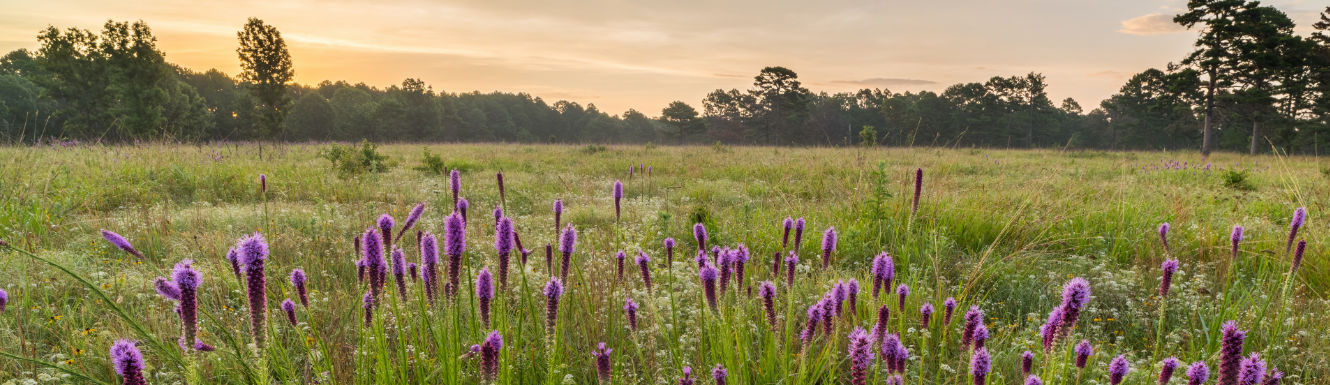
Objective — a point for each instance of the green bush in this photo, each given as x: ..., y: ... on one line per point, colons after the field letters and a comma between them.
x: 1238, y: 180
x: 348, y: 160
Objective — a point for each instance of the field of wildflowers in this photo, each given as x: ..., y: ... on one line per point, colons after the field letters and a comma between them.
x: 651, y: 265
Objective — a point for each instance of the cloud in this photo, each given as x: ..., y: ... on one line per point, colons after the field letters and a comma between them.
x: 886, y: 82
x: 1152, y: 24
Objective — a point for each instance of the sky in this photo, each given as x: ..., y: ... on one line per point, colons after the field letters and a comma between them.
x: 643, y: 54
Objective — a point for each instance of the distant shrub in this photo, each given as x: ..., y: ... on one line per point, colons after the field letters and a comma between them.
x: 1238, y: 180
x: 650, y: 146
x: 720, y: 147
x: 431, y: 163
x: 868, y: 136
x: 591, y: 149
x: 348, y: 160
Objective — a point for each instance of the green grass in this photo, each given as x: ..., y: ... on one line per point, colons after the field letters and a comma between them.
x: 998, y: 229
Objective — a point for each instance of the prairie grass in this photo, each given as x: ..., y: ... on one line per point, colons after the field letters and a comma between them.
x: 1002, y: 230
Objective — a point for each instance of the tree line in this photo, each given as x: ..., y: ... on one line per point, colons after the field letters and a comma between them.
x: 1250, y: 83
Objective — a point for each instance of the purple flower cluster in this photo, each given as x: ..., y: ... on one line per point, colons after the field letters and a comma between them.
x: 883, y: 271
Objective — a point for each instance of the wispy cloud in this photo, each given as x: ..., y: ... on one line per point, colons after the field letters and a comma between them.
x: 1152, y: 24
x: 886, y: 82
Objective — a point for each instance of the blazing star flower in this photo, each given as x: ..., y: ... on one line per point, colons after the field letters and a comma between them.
x: 485, y: 294
x: 740, y: 258
x: 120, y: 242
x: 619, y: 257
x: 1299, y: 217
x: 948, y: 308
x: 852, y: 295
x: 128, y: 362
x: 263, y: 183
x: 413, y: 271
x: 462, y: 205
x: 455, y: 184
x: 412, y: 218
x: 1169, y: 365
x: 890, y: 348
x: 167, y: 289
x: 707, y: 275
x: 1050, y: 328
x: 630, y: 308
x: 1169, y: 267
x: 386, y: 224
x: 234, y: 258
x: 828, y: 312
x: 567, y: 244
x: 719, y: 374
x: 1083, y: 352
x: 669, y: 252
x: 901, y: 292
x: 517, y: 238
x: 861, y: 356
x: 1274, y: 377
x: 367, y: 302
x: 1230, y: 353
x: 503, y: 243
x: 1031, y: 379
x: 644, y: 266
x: 1297, y: 255
x: 980, y: 336
x: 253, y: 252
x: 918, y: 189
x: 925, y: 314
x: 553, y: 290
x: 602, y: 355
x: 499, y: 176
x: 980, y: 364
x: 787, y: 225
x: 558, y: 213
x: 880, y: 327
x: 1252, y: 370
x: 828, y: 246
x: 375, y: 265
x: 4, y: 300
x: 687, y: 378
x: 1163, y: 236
x: 700, y: 235
x: 767, y: 292
x: 1236, y: 238
x: 290, y: 309
x: 798, y: 233
x: 724, y: 262
x: 298, y: 281
x: 814, y: 315
x: 429, y: 259
x: 1075, y: 295
x: 790, y: 262
x: 399, y: 271
x: 618, y: 195
x: 883, y: 271
x: 489, y: 355
x: 1117, y: 369
x: 549, y: 258
x: 186, y: 281
x: 973, y: 319
x: 454, y: 244
x: 1197, y: 373
x: 1027, y: 362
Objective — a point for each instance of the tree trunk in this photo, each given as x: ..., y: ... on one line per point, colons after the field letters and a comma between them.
x: 1255, y: 135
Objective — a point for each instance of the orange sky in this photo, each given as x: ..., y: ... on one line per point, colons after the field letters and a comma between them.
x: 621, y: 54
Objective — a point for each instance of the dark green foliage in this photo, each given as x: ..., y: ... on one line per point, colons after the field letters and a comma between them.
x: 266, y: 68
x: 1238, y: 180
x: 431, y: 163
x: 349, y: 160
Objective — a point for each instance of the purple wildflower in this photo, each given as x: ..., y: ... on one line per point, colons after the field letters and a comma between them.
x: 498, y: 214
x: 454, y: 244
x: 499, y: 177
x: 517, y: 238
x: 1027, y: 362
x: 1299, y: 217
x: 786, y: 225
x: 263, y: 183
x: 1169, y: 267
x: 669, y: 252
x: 1163, y: 236
x: 411, y: 219
x: 980, y: 364
x: 558, y: 214
x: 618, y: 195
x: 1230, y: 353
x: 948, y: 308
x: 120, y: 242
x: 1252, y: 371
x: 429, y: 260
x: 828, y: 246
x: 455, y: 184
x: 687, y: 378
x: 1166, y: 370
x: 890, y: 349
x: 485, y: 294
x: 253, y: 252
x: 489, y: 355
x: 980, y: 336
x: 1050, y: 328
x: 708, y: 276
x: 1274, y: 377
x: 1297, y: 255
x: 1118, y: 368
x: 700, y: 235
x: 186, y: 280
x: 367, y: 303
x: 1235, y: 238
x: 973, y: 319
x: 602, y: 355
x: 814, y: 315
x: 1031, y: 379
x: 918, y: 189
x: 767, y: 292
x: 740, y: 259
x: 1075, y: 295
x: 375, y: 265
x: 290, y: 309
x: 719, y: 374
x: 790, y: 263
x: 883, y: 271
x: 880, y: 327
x: 644, y: 266
x: 462, y: 205
x: 413, y: 271
x: 4, y: 300
x: 901, y: 292
x: 861, y: 356
x: 798, y: 233
x: 723, y: 260
x: 549, y: 258
x: 399, y: 271
x: 925, y: 314
x: 553, y: 290
x: 567, y: 244
x: 630, y: 308
x: 298, y: 280
x: 1197, y: 373
x: 1083, y: 351
x: 852, y: 295
x: 618, y: 272
x: 128, y: 362
x: 386, y: 224
x: 166, y: 288
x: 503, y: 243
x: 234, y: 258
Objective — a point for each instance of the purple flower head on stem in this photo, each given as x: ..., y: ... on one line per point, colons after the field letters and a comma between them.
x: 412, y: 218
x: 1163, y: 236
x: 1252, y: 371
x: 290, y: 309
x: 901, y: 292
x: 1273, y: 377
x: 386, y: 224
x: 1075, y: 295
x: 263, y: 183
x: 1027, y: 362
x: 1235, y: 237
x: 1169, y: 267
x: 687, y: 378
x: 700, y: 235
x: 925, y: 314
x: 499, y: 177
x: 798, y: 233
x: 602, y: 355
x: 828, y: 246
x: 707, y: 275
x: 253, y: 252
x: 980, y: 336
x: 1031, y: 379
x: 787, y: 225
x: 455, y: 185
x: 558, y: 213
x: 399, y: 271
x: 861, y: 356
x: 489, y: 355
x: 1050, y: 328
x: 1118, y: 369
x: 503, y: 243
x: 553, y: 290
x: 1299, y: 217
x: 973, y: 319
x: 883, y: 271
x: 880, y: 327
x: 120, y: 242
x: 669, y: 251
x: 167, y: 288
x: 567, y: 244
x: 1166, y: 369
x: 948, y: 309
x: 367, y: 302
x: 852, y: 295
x: 454, y: 244
x: 767, y: 292
x: 918, y: 189
x: 498, y: 214
x: 128, y: 362
x: 719, y: 374
x: 4, y: 300
x: 1083, y: 351
x: 644, y: 267
x: 791, y: 262
x: 890, y: 348
x: 413, y: 271
x: 630, y: 308
x: 980, y: 364
x: 484, y: 293
x: 429, y: 259
x: 814, y: 315
x: 618, y: 195
x: 462, y: 205
x: 1297, y: 255
x: 1230, y: 352
x: 619, y: 257
x: 298, y: 281
x: 234, y: 259
x: 1197, y: 373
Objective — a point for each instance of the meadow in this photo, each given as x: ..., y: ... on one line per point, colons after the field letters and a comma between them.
x: 998, y: 230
